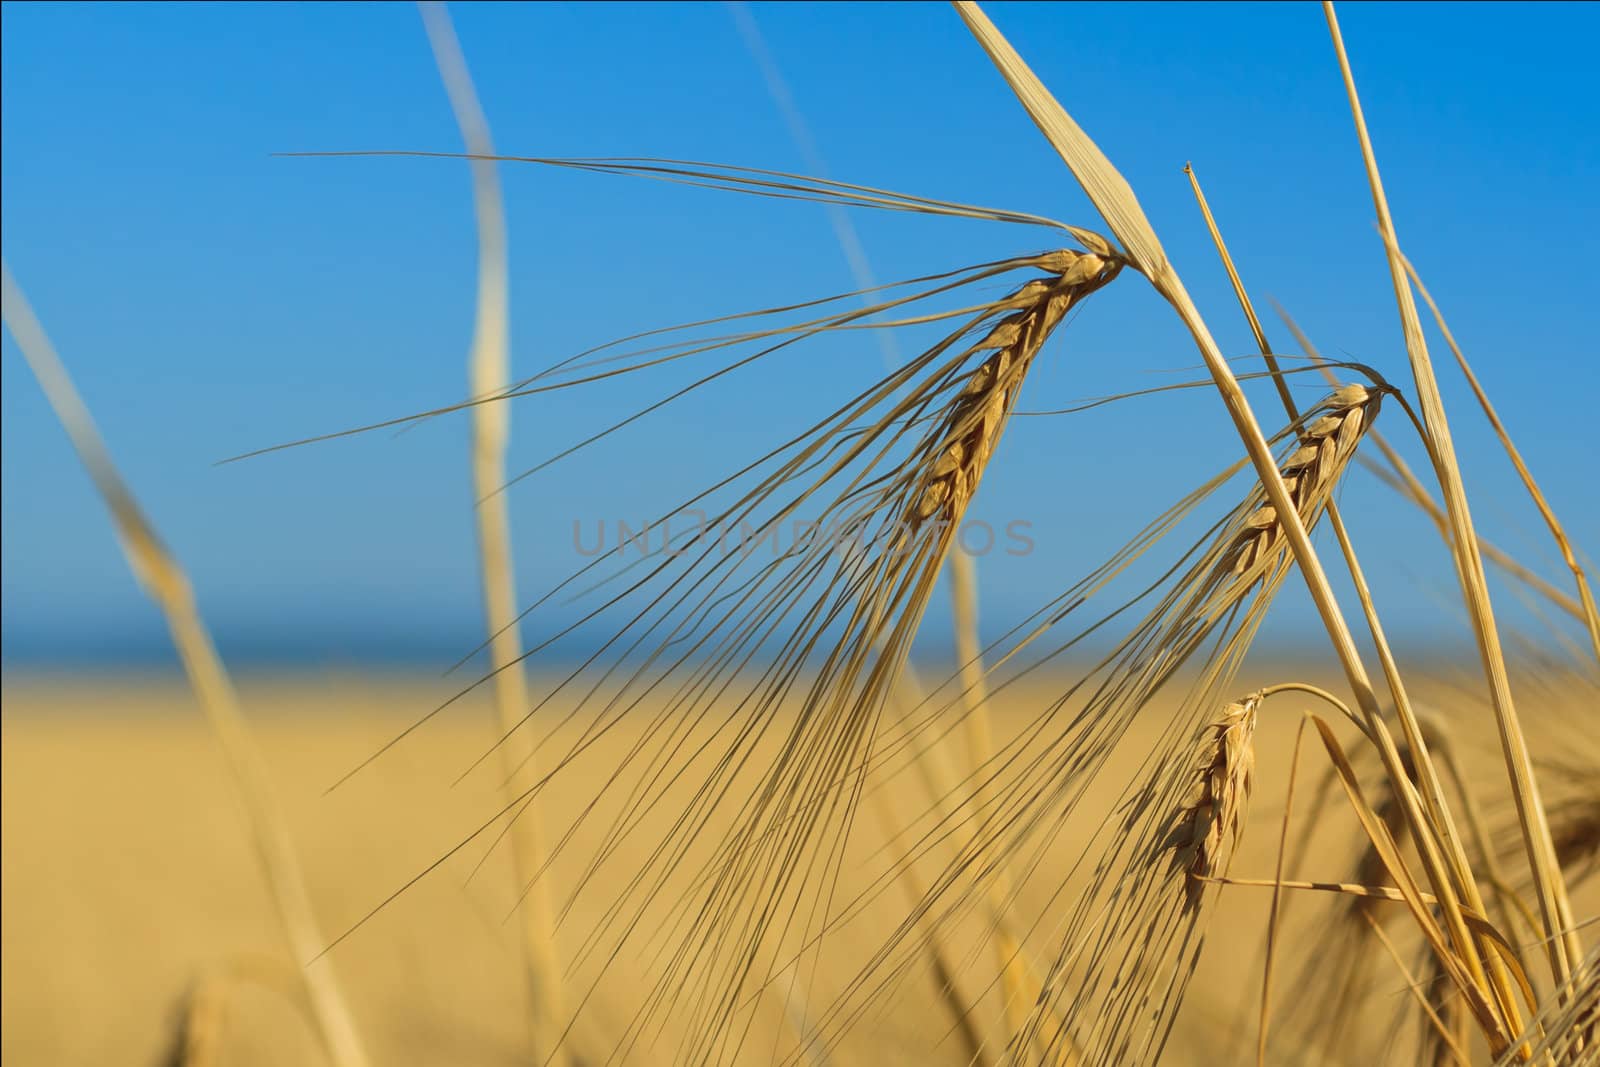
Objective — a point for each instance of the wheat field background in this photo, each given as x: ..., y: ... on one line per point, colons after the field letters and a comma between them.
x: 127, y: 880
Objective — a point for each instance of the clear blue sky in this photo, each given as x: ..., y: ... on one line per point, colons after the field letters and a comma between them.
x: 210, y: 298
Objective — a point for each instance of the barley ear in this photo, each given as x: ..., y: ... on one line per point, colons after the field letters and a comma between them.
x: 1211, y: 815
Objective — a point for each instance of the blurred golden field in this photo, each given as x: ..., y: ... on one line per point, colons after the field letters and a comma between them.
x: 128, y: 879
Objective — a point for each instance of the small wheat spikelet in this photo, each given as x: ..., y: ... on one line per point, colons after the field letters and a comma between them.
x: 1211, y: 816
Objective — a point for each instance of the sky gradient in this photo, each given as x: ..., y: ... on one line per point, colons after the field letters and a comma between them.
x: 211, y: 298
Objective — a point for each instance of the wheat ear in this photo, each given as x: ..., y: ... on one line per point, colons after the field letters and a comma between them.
x: 974, y: 421
x: 1211, y: 817
x: 1020, y: 986
x: 1326, y: 446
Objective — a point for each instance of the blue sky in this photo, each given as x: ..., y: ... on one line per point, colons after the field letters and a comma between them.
x: 211, y: 298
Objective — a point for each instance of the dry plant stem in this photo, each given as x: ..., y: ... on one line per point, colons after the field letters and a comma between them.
x: 1116, y: 202
x: 488, y: 373
x: 1354, y: 889
x: 1509, y: 906
x: 1503, y: 989
x: 1568, y: 1021
x: 166, y: 583
x: 1421, y: 905
x: 1565, y: 948
x: 1256, y: 331
x: 1432, y: 787
x: 1591, y: 618
x: 1442, y: 822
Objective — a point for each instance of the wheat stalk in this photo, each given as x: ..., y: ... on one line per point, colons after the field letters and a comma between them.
x: 1564, y: 1034
x: 489, y: 363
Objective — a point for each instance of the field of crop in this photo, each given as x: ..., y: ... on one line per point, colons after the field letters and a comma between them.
x: 129, y: 888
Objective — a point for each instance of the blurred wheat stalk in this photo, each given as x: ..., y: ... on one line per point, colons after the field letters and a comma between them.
x: 164, y: 580
x: 488, y: 374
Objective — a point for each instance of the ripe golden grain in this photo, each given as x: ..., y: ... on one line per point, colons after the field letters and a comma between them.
x: 1212, y: 813
x: 974, y: 422
x: 1327, y: 444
